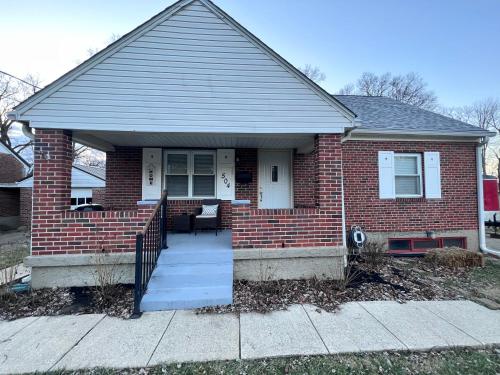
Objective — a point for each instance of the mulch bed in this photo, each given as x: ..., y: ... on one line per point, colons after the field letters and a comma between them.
x: 394, y: 280
x: 117, y: 301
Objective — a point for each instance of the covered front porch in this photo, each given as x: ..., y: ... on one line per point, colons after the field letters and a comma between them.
x: 295, y: 237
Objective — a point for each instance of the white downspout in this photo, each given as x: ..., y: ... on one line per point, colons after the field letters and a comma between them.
x: 480, y: 203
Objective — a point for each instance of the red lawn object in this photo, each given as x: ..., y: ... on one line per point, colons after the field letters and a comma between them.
x: 490, y: 193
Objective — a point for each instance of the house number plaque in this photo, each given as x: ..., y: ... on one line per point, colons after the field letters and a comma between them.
x: 225, y: 179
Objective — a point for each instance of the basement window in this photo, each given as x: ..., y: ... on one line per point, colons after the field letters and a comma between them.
x: 404, y: 245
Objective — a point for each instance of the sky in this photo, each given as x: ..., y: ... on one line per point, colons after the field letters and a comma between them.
x: 453, y: 44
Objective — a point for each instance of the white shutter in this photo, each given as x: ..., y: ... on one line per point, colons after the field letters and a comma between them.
x: 151, y: 173
x: 225, y: 174
x: 386, y: 181
x: 432, y: 175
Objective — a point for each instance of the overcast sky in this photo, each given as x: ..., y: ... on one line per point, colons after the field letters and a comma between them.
x: 453, y: 44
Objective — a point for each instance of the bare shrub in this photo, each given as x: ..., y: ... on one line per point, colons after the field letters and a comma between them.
x: 454, y: 257
x: 7, y: 277
x: 351, y: 273
x: 373, y: 254
x: 107, y: 276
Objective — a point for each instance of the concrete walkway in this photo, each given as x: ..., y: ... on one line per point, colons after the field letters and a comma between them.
x: 75, y: 342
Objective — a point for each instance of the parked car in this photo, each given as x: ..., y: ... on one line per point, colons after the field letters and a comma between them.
x: 89, y: 207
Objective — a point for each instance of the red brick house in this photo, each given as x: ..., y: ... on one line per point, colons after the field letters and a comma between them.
x: 193, y: 103
x: 12, y: 169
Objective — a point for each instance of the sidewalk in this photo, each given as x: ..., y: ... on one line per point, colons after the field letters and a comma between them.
x: 85, y: 341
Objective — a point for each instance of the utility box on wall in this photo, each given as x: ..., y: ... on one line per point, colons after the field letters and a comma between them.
x: 490, y: 193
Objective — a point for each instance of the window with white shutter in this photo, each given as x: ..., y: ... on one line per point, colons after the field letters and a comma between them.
x: 432, y: 169
x: 408, y: 175
x: 386, y: 174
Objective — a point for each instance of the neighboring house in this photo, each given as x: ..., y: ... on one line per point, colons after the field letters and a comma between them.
x: 192, y: 102
x: 12, y: 168
x: 87, y: 186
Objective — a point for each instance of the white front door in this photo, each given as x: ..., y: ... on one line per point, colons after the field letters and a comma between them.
x: 274, y: 179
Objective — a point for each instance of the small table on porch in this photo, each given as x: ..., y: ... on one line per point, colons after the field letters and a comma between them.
x: 183, y: 223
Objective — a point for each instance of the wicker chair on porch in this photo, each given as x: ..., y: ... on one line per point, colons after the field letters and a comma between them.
x: 208, y: 221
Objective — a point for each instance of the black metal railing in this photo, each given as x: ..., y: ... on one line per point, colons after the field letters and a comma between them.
x: 148, y: 246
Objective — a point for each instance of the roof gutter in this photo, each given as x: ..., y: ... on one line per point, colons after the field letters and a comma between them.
x: 475, y: 134
x: 480, y: 201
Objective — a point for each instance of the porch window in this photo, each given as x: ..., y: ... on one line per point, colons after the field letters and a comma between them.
x: 408, y: 175
x: 190, y: 174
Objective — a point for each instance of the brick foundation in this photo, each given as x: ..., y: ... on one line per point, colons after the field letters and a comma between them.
x: 457, y: 210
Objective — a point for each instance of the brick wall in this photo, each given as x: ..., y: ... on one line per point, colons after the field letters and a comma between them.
x: 99, y: 196
x: 72, y: 232
x: 12, y: 170
x: 300, y: 227
x: 55, y: 229
x: 123, y: 178
x: 9, y: 202
x: 247, y: 161
x: 281, y: 228
x: 25, y: 202
x: 456, y: 210
x: 179, y: 207
x: 304, y: 180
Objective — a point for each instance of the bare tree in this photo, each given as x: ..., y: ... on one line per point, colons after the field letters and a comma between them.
x: 484, y: 114
x: 88, y: 156
x: 113, y: 38
x: 409, y: 88
x: 314, y: 73
x: 13, y: 91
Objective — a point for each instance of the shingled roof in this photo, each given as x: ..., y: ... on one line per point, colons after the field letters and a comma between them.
x: 382, y: 114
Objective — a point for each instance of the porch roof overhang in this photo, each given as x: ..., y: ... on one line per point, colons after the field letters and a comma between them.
x: 108, y: 140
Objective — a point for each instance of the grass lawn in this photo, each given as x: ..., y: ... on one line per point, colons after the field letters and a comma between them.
x: 482, y: 362
x: 489, y: 274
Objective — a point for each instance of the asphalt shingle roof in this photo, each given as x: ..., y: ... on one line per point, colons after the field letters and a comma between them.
x: 386, y: 114
x: 94, y: 171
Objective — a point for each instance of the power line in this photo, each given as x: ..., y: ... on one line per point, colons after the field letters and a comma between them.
x: 19, y: 79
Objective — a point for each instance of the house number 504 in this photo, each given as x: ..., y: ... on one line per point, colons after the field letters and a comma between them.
x: 225, y: 179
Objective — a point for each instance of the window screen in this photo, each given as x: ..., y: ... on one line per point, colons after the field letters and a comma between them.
x: 408, y: 175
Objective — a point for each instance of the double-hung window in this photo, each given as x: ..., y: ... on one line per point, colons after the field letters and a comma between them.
x: 190, y: 174
x: 408, y: 175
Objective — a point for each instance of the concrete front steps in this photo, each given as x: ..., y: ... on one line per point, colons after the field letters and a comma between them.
x: 195, y: 271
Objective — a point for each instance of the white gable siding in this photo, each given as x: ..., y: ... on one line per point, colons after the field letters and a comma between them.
x: 82, y: 179
x: 192, y: 73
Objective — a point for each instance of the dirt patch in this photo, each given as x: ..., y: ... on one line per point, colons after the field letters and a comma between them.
x: 63, y: 301
x: 396, y: 279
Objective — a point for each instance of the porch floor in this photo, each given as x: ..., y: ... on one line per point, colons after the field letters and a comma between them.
x: 195, y: 271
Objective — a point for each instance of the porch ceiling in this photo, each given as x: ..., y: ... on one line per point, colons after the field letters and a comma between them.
x: 107, y: 140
